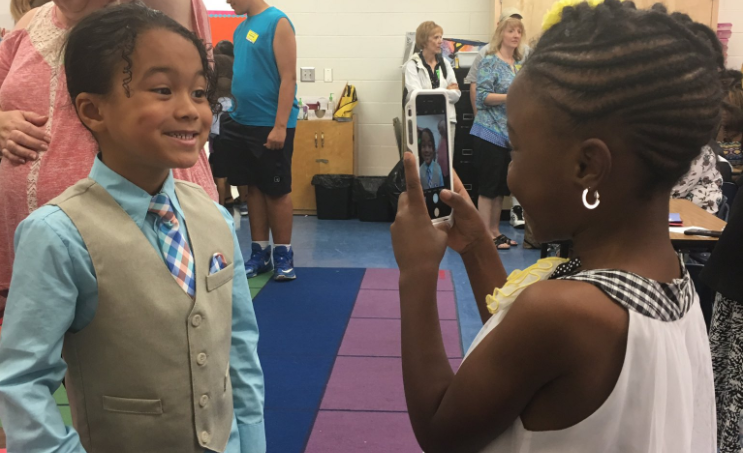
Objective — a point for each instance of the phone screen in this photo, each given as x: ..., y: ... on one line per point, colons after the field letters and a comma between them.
x: 434, y: 154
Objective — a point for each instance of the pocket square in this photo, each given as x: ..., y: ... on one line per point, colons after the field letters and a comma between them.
x: 218, y: 263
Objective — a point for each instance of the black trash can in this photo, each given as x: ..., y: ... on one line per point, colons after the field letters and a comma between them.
x: 333, y: 196
x: 372, y: 204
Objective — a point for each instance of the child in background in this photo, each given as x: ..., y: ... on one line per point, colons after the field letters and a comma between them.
x: 223, y: 62
x: 143, y: 290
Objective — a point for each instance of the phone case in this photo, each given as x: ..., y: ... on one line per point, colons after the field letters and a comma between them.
x: 411, y: 125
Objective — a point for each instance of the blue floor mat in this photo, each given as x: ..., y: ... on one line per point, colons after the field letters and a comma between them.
x: 302, y: 324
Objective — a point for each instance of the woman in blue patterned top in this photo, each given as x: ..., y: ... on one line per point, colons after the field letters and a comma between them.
x: 492, y: 155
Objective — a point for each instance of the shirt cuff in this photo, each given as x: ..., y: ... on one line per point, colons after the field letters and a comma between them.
x: 252, y: 438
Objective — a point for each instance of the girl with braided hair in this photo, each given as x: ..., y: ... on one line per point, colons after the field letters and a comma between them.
x: 607, y: 352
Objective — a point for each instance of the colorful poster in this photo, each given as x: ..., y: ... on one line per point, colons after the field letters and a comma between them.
x: 223, y: 24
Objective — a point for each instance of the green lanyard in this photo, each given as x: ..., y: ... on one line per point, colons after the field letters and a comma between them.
x: 438, y: 74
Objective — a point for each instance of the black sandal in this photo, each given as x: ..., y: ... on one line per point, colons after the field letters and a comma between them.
x: 502, y: 240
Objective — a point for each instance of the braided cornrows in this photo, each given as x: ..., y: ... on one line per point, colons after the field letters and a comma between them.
x: 653, y: 74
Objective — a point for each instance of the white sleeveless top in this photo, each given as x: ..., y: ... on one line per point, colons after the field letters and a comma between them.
x: 664, y: 400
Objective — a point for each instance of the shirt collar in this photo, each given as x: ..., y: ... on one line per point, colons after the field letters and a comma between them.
x: 132, y: 199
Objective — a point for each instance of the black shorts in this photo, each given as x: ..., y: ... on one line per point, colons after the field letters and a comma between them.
x: 249, y: 163
x: 217, y: 161
x: 492, y: 163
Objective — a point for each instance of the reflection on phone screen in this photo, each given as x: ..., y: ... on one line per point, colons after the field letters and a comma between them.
x: 433, y: 151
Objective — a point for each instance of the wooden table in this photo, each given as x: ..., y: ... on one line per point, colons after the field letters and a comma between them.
x: 693, y: 215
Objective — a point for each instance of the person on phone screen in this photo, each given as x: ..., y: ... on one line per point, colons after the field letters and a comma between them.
x: 430, y: 171
x: 442, y: 152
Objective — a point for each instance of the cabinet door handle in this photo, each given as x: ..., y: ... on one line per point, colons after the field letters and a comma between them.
x: 322, y: 161
x: 467, y: 186
x: 323, y: 139
x: 315, y: 139
x: 467, y: 152
x: 468, y: 117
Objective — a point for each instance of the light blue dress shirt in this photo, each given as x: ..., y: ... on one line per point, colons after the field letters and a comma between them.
x: 54, y: 289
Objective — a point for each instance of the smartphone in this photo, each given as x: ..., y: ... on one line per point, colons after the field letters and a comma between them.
x: 429, y: 139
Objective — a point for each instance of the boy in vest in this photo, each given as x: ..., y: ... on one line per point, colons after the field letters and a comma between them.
x: 132, y: 283
x: 259, y: 135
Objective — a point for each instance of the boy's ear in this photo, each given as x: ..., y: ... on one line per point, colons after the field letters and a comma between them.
x: 88, y: 108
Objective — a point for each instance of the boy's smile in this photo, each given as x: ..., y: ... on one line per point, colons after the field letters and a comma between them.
x: 157, y: 116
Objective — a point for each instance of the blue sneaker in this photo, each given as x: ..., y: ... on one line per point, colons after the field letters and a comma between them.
x: 284, y: 258
x: 259, y: 262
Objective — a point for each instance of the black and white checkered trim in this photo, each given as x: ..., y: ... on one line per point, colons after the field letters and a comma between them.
x: 662, y: 301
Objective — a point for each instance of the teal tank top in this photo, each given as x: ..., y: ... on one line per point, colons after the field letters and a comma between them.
x: 256, y: 80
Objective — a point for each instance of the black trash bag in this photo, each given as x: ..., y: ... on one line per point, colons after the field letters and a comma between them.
x: 394, y: 185
x: 332, y: 181
x: 367, y: 187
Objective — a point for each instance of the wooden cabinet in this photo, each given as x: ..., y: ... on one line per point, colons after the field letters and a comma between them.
x: 320, y: 147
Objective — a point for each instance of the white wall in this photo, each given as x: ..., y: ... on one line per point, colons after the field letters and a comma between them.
x: 731, y: 11
x: 362, y: 41
x: 6, y: 20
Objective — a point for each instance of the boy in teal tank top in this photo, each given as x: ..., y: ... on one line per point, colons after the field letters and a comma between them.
x: 258, y: 136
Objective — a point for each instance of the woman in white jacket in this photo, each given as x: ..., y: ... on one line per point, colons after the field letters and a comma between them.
x: 427, y: 69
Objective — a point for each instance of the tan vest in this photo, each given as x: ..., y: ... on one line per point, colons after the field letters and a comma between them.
x: 151, y: 371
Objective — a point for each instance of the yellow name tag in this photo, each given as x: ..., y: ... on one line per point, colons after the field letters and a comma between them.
x: 518, y: 67
x: 252, y: 36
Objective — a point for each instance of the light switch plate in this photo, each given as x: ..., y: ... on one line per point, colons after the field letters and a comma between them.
x: 307, y: 74
x: 328, y: 74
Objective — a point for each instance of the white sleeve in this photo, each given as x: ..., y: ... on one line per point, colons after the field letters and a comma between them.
x: 451, y: 78
x: 412, y: 80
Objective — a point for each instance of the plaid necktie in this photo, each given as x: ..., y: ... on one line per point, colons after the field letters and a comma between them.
x: 430, y: 177
x: 173, y: 245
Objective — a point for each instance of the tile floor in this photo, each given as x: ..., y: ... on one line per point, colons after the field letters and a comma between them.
x: 352, y: 243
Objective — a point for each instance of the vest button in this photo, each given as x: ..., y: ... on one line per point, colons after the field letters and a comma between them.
x: 201, y: 358
x: 196, y: 320
x: 205, y: 437
x: 204, y: 400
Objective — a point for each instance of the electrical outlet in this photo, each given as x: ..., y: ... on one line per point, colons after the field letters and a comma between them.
x: 328, y: 74
x: 307, y: 74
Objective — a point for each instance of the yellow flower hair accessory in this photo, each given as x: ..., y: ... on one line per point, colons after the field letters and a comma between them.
x: 554, y: 15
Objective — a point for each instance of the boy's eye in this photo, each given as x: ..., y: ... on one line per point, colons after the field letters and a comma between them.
x: 163, y: 91
x: 199, y: 93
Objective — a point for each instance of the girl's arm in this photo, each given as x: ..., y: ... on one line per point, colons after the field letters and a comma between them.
x: 466, y: 411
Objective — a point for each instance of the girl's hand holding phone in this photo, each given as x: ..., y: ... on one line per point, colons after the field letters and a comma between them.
x: 418, y: 244
x: 467, y: 230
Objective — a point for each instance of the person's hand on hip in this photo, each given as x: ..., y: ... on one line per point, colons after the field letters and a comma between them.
x: 276, y: 138
x: 22, y: 136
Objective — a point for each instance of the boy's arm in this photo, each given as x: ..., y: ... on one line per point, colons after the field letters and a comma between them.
x: 285, y: 51
x: 245, y: 369
x: 40, y: 309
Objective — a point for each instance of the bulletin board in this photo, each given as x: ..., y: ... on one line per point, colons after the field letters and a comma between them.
x: 223, y: 25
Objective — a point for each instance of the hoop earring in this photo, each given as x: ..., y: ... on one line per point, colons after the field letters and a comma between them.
x: 595, y: 204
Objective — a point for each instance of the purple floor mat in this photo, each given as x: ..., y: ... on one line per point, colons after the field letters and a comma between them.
x: 363, y: 409
x: 381, y: 338
x: 349, y: 432
x: 385, y: 303
x: 390, y: 279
